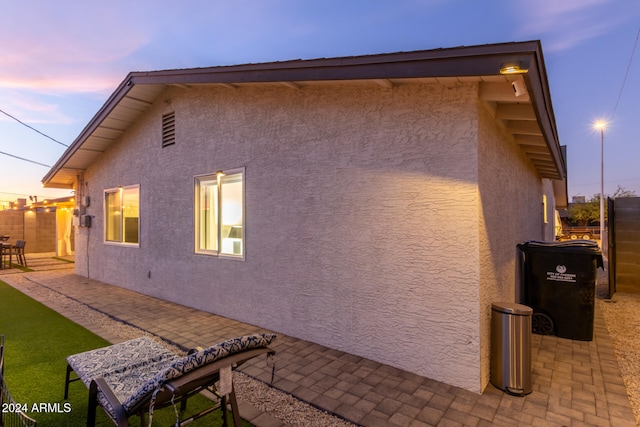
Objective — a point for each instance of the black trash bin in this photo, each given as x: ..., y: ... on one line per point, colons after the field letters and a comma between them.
x: 559, y: 284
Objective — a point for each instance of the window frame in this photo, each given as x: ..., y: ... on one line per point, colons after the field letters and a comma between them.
x: 119, y: 190
x: 197, y: 182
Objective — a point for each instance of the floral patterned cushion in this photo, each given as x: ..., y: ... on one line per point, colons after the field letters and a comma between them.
x: 191, y: 362
x: 124, y: 382
x: 119, y: 357
x: 132, y: 384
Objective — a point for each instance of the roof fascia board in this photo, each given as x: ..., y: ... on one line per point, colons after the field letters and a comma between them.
x: 453, y: 62
x: 536, y: 80
x: 483, y: 60
x: 97, y: 119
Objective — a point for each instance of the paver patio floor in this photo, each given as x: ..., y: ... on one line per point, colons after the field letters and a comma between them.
x: 575, y: 383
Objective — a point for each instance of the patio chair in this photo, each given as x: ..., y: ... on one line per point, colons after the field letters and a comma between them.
x: 18, y: 251
x: 136, y: 376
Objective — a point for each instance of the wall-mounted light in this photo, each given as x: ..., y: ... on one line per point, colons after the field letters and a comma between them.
x: 513, y: 68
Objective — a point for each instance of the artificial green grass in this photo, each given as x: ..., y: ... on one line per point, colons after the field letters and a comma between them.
x: 70, y: 261
x: 37, y: 343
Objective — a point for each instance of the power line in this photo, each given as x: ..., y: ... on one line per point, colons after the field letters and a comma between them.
x: 626, y: 74
x: 27, y: 195
x: 32, y: 128
x: 14, y: 194
x: 26, y: 160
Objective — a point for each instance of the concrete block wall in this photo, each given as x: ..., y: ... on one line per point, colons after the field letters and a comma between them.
x: 36, y: 228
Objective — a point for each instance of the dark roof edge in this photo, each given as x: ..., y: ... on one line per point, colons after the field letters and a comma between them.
x: 444, y: 62
x: 386, y: 65
x: 501, y: 48
x: 542, y: 94
x: 106, y: 108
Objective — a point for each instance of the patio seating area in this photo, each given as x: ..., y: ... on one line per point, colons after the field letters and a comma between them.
x: 574, y: 382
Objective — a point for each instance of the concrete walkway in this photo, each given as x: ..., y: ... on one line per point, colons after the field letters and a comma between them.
x: 575, y: 383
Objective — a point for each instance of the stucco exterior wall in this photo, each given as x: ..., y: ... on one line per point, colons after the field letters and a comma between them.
x: 549, y: 217
x: 362, y: 217
x: 510, y: 213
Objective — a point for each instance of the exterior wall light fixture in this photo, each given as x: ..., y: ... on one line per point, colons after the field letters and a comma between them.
x: 513, y: 68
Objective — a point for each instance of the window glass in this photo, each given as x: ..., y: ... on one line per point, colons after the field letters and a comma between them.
x: 207, y: 212
x: 130, y: 209
x: 220, y: 213
x: 112, y: 223
x: 231, y: 201
x: 122, y: 206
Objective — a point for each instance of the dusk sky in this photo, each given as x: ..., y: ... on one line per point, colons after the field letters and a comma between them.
x: 60, y: 61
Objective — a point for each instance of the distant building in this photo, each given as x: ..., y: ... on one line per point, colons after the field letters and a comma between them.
x: 578, y: 199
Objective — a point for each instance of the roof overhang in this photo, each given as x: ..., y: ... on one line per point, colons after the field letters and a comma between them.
x: 527, y: 113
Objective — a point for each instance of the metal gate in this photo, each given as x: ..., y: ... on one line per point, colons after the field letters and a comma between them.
x: 11, y: 414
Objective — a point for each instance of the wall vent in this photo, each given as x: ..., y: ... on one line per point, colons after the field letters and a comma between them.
x: 168, y: 129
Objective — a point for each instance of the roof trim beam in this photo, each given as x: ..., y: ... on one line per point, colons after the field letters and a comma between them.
x: 473, y: 64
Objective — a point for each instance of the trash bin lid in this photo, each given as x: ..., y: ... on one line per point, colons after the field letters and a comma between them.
x: 578, y: 245
x: 581, y: 247
x: 512, y: 308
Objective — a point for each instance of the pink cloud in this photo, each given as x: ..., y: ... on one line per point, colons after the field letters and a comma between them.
x: 66, y: 46
x: 32, y: 109
x: 59, y: 81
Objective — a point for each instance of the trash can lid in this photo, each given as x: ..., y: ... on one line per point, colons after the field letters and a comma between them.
x: 582, y: 245
x: 511, y: 308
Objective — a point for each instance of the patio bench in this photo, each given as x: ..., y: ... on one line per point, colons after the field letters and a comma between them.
x: 136, y: 376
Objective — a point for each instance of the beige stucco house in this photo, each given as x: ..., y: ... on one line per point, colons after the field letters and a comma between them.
x: 371, y: 204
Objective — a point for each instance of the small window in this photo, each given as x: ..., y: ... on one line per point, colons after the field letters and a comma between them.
x: 219, y: 213
x: 121, y: 212
x: 168, y: 129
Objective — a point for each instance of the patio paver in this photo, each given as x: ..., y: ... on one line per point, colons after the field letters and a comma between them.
x: 574, y: 382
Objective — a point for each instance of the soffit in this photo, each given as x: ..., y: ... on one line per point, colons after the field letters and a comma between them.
x: 101, y: 133
x: 521, y: 119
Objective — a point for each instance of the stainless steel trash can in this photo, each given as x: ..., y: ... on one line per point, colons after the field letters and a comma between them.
x: 511, y: 347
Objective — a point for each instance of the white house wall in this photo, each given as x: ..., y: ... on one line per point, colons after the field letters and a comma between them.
x: 510, y: 213
x: 549, y: 225
x: 362, y: 217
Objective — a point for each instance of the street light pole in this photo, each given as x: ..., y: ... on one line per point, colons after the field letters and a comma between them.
x: 601, y: 125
